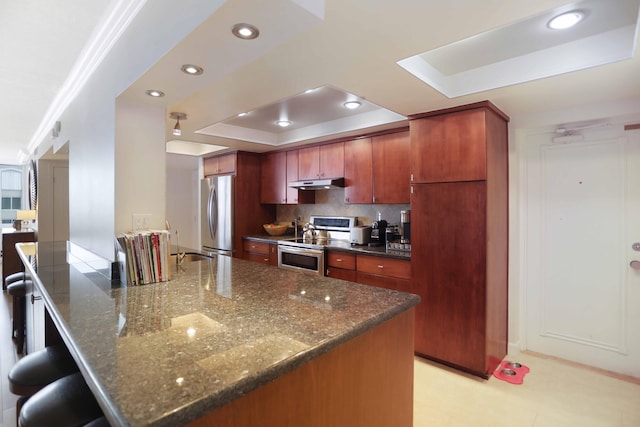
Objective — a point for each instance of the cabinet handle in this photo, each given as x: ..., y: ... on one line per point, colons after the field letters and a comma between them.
x: 328, y: 272
x: 338, y: 259
x: 266, y: 259
x: 35, y: 298
x: 380, y: 266
x: 253, y: 246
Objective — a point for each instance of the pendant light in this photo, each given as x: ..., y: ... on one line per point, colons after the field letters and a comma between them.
x: 177, y: 116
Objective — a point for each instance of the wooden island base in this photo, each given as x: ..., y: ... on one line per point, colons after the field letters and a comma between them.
x: 367, y: 381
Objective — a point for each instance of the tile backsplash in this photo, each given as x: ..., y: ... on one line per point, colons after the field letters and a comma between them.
x: 331, y: 202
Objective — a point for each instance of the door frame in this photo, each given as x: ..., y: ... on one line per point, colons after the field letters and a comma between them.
x: 519, y: 220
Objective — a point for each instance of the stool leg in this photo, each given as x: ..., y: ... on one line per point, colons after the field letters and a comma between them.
x: 19, y: 318
x: 19, y: 404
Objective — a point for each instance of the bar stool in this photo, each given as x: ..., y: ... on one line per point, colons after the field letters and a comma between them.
x: 21, y: 275
x: 98, y: 422
x: 68, y: 401
x: 36, y: 370
x: 18, y: 289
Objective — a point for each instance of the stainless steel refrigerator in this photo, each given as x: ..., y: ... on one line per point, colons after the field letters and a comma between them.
x: 217, y: 200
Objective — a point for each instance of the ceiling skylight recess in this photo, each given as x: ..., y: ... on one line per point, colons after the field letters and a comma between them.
x: 529, y: 49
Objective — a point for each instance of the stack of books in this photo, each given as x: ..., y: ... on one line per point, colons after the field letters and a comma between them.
x: 144, y: 257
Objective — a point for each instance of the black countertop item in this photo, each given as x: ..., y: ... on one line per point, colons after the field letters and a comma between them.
x: 166, y: 354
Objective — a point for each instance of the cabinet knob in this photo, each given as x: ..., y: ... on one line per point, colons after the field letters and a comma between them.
x: 266, y: 259
x: 253, y: 246
x: 338, y: 259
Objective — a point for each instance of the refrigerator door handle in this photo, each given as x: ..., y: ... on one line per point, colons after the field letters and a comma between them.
x: 210, y: 211
x: 213, y: 224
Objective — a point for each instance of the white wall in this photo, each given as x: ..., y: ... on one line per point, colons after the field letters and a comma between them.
x: 183, y: 183
x: 49, y: 201
x: 140, y: 165
x: 520, y: 128
x: 101, y: 203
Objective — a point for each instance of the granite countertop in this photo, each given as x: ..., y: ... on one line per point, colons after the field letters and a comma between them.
x: 165, y: 354
x: 339, y: 245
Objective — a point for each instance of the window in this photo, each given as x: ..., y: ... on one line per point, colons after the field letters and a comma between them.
x: 11, y: 193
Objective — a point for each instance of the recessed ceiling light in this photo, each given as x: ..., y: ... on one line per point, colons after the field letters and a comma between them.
x: 311, y: 90
x: 242, y: 114
x: 154, y: 93
x: 566, y: 20
x: 245, y: 31
x: 351, y: 105
x: 191, y: 69
x: 283, y: 123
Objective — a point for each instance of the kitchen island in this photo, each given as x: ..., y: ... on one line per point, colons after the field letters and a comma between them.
x: 229, y: 342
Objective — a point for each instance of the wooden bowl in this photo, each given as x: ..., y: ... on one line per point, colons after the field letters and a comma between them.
x: 275, y: 229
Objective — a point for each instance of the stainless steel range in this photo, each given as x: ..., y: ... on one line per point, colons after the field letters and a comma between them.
x: 307, y: 252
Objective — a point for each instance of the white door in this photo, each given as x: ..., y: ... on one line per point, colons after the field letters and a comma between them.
x: 581, y: 213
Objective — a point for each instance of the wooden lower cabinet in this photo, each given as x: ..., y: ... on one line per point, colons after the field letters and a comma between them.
x: 341, y: 265
x: 367, y: 381
x: 459, y: 262
x: 384, y: 272
x: 262, y: 252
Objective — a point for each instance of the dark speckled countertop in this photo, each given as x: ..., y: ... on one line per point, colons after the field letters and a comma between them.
x: 165, y: 354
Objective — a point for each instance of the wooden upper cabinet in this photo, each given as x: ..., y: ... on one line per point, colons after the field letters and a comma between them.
x: 295, y: 196
x: 358, y: 177
x: 391, y: 174
x: 323, y: 161
x: 450, y: 147
x: 223, y: 164
x: 273, y: 185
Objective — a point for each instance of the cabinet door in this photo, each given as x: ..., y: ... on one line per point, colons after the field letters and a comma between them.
x: 273, y: 184
x: 448, y: 260
x: 358, y: 171
x: 331, y: 158
x: 308, y: 163
x: 391, y: 174
x: 295, y: 196
x: 339, y: 273
x: 227, y: 163
x: 449, y: 147
x: 210, y: 166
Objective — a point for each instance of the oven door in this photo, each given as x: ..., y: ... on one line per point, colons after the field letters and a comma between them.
x: 301, y: 259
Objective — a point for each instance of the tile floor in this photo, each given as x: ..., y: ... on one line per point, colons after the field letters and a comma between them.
x: 554, y: 394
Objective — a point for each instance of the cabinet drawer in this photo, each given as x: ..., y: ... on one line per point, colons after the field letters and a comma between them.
x: 341, y: 260
x: 255, y: 257
x: 256, y: 247
x: 340, y: 273
x: 384, y: 266
x: 393, y: 283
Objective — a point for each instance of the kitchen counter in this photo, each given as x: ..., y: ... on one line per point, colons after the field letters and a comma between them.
x: 338, y: 245
x: 173, y: 353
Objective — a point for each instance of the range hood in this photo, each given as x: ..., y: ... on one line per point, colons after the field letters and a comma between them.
x: 318, y: 184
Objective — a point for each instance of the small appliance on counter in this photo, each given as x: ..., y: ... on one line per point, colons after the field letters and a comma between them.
x: 405, y: 221
x: 360, y: 235
x: 378, y: 230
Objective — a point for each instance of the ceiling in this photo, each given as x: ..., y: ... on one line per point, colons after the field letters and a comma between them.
x: 348, y: 49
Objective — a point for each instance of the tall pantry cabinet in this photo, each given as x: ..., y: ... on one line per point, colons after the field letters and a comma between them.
x: 459, y: 229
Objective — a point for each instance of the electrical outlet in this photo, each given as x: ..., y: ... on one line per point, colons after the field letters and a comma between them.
x: 141, y: 222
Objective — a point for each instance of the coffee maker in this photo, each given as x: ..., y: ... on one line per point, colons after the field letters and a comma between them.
x: 378, y: 231
x: 405, y: 221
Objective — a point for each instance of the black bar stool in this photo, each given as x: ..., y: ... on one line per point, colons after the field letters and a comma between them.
x: 18, y: 289
x: 67, y: 401
x: 34, y: 371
